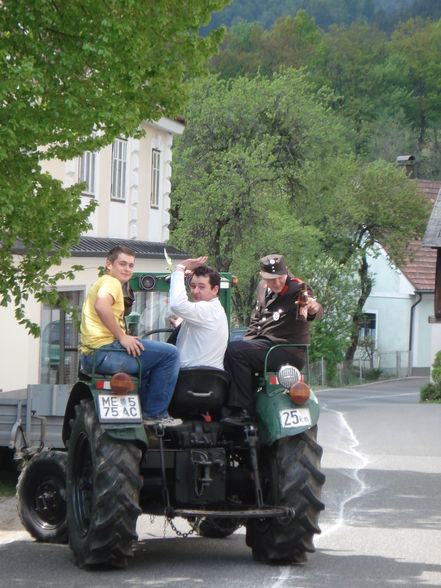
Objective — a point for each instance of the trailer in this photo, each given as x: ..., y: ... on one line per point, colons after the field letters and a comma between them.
x: 32, y: 418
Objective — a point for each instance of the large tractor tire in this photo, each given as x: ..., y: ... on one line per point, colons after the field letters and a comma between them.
x: 102, y: 492
x: 291, y: 476
x: 217, y: 528
x: 41, y: 499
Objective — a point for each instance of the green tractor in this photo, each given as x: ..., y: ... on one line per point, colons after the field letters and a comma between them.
x: 218, y: 476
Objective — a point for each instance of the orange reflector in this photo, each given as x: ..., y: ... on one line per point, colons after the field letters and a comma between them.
x: 121, y: 383
x: 299, y: 393
x: 234, y: 281
x: 273, y: 380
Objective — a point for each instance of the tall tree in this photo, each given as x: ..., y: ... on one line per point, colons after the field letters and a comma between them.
x: 352, y: 57
x: 263, y: 166
x: 417, y: 43
x: 234, y: 181
x: 373, y: 203
x: 75, y: 75
x: 293, y: 41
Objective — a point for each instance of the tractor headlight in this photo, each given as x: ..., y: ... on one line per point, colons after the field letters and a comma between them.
x: 288, y: 375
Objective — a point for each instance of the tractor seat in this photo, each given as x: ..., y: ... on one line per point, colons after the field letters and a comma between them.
x: 199, y: 390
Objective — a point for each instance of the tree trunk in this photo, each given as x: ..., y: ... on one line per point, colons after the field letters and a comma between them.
x: 357, y: 320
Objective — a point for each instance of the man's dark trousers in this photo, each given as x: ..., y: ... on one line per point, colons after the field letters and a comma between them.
x: 243, y: 359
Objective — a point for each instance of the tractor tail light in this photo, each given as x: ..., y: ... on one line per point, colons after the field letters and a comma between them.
x: 121, y: 383
x: 300, y: 393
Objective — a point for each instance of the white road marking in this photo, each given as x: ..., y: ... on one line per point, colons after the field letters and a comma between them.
x: 348, y: 445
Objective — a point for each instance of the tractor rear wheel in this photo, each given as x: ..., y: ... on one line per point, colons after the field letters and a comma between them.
x: 291, y: 476
x: 102, y: 495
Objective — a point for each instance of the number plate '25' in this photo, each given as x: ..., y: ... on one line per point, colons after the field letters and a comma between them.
x: 119, y: 409
x: 295, y: 417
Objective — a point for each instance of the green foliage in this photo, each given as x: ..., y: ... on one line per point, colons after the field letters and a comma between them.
x: 336, y: 286
x: 386, y: 86
x: 325, y: 12
x: 432, y: 392
x: 436, y: 370
x: 248, y: 49
x: 372, y: 374
x: 235, y: 179
x: 75, y: 75
x: 264, y: 166
x: 418, y: 42
x: 365, y: 204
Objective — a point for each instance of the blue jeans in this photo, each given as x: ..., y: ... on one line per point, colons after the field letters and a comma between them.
x: 159, y: 365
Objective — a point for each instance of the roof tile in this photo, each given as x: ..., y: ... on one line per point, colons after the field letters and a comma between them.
x: 420, y: 266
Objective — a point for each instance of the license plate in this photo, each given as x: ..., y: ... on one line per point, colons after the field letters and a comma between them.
x: 119, y: 409
x: 295, y: 417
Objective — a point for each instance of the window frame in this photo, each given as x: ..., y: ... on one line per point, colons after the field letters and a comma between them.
x: 366, y: 331
x: 156, y: 178
x: 118, y: 180
x: 87, y: 172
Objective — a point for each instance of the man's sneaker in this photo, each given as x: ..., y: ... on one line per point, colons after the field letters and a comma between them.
x: 165, y: 421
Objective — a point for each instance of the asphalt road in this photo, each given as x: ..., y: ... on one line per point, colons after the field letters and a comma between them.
x: 381, y: 526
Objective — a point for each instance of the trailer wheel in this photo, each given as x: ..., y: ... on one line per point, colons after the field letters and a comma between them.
x: 291, y: 476
x: 41, y: 497
x: 103, y: 487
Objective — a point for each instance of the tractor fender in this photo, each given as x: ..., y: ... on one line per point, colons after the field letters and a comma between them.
x: 279, y: 417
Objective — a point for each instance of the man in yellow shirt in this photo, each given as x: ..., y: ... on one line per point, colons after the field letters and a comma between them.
x: 103, y: 335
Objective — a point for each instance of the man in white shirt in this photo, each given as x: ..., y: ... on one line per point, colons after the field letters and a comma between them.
x: 203, y: 335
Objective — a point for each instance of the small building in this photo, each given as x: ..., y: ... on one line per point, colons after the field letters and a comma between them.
x: 130, y: 180
x: 398, y: 309
x: 432, y: 239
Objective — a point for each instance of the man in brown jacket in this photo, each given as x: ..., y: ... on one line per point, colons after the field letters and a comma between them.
x: 279, y: 317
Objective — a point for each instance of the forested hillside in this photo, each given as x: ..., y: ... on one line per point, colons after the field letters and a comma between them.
x: 386, y: 14
x: 386, y: 87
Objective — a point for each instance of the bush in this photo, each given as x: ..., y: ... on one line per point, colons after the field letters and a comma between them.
x: 436, y: 370
x: 372, y: 374
x: 430, y: 393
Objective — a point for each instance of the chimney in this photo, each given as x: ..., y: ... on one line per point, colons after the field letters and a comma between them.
x: 408, y: 162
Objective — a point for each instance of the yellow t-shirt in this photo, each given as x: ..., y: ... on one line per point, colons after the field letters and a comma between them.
x: 94, y: 333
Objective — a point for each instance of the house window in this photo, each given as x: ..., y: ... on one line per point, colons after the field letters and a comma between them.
x: 368, y: 330
x: 59, y: 343
x: 156, y: 163
x: 119, y: 169
x: 86, y: 172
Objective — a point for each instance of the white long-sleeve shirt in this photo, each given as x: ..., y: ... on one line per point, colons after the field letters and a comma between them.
x: 203, y: 336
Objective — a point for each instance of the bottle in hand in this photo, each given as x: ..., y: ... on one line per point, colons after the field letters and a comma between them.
x: 302, y: 299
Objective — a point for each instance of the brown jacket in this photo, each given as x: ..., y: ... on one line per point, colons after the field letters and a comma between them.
x: 275, y: 318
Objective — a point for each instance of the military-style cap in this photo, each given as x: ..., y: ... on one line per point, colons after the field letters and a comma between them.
x: 273, y: 266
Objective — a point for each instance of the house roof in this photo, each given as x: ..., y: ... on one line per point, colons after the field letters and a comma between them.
x: 432, y: 236
x: 99, y: 247
x: 420, y: 267
x: 421, y: 261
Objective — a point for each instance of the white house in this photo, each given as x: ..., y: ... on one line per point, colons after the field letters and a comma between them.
x: 130, y: 179
x: 400, y: 305
x: 432, y: 238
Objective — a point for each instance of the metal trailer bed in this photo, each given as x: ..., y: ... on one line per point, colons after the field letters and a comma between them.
x: 32, y: 417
